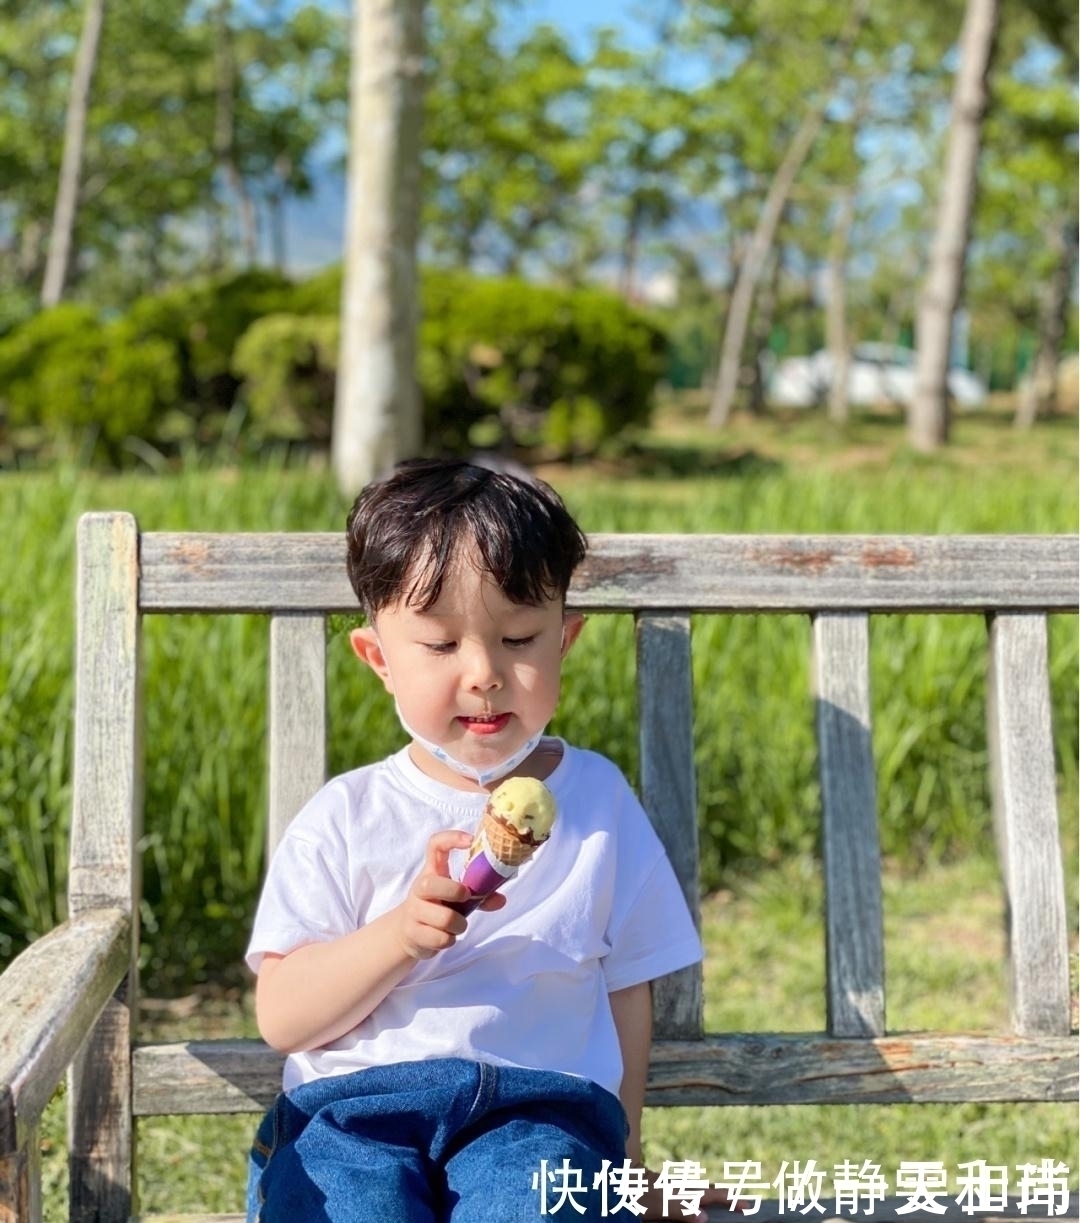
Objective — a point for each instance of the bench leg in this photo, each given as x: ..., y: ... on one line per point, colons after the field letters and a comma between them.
x: 20, y: 1183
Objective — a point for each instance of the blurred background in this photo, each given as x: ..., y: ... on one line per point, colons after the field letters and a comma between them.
x: 743, y: 204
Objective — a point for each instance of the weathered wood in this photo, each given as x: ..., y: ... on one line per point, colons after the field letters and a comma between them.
x: 855, y: 977
x: 106, y: 797
x: 760, y: 1068
x: 104, y: 871
x: 1026, y: 822
x: 666, y: 727
x: 20, y: 1181
x: 776, y: 573
x: 297, y: 722
x: 50, y: 996
x: 205, y: 1076
x: 101, y: 1132
x: 238, y: 1076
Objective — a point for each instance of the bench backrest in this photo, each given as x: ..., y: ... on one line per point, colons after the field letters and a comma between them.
x: 838, y: 581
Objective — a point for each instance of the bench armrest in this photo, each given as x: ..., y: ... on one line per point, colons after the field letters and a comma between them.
x: 50, y: 997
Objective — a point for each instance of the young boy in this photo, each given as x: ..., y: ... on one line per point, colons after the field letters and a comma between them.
x: 444, y: 1068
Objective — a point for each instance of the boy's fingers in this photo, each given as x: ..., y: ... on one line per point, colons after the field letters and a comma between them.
x: 437, y: 859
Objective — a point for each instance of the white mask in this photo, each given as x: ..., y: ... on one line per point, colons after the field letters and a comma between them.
x: 481, y: 776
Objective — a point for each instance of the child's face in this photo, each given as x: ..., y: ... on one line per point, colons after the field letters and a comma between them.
x: 475, y: 674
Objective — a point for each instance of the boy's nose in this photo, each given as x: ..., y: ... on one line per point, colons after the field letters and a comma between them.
x: 482, y: 674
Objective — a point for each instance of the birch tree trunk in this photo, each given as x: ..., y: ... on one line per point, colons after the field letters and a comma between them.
x: 377, y: 410
x: 742, y: 299
x: 1039, y: 393
x: 928, y: 418
x: 761, y: 242
x: 61, y: 238
x: 225, y: 150
x: 837, y: 338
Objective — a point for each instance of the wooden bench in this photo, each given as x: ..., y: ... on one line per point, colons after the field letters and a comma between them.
x: 66, y: 1004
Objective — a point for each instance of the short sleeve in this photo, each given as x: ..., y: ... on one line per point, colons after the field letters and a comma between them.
x: 650, y: 930
x: 305, y: 899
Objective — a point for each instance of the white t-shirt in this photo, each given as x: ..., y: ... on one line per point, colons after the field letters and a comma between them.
x: 597, y: 909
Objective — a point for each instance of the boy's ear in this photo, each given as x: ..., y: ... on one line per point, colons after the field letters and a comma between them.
x: 366, y: 647
x: 572, y: 626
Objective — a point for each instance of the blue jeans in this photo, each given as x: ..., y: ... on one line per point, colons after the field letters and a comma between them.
x: 441, y: 1140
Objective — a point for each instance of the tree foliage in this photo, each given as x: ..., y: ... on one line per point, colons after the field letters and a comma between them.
x: 638, y: 158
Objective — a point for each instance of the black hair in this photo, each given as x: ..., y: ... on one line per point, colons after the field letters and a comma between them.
x: 406, y: 531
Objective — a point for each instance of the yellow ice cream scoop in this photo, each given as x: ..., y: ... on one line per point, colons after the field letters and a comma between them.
x: 526, y: 805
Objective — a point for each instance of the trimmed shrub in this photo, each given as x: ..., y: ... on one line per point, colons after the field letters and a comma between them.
x: 203, y: 321
x: 509, y: 362
x: 287, y: 363
x: 66, y: 370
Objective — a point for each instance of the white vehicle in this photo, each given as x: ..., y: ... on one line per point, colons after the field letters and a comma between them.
x: 878, y: 373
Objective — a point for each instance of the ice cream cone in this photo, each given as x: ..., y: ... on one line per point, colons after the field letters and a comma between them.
x: 505, y: 843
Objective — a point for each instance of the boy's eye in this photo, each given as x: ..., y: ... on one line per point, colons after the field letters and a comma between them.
x: 516, y: 643
x: 440, y: 647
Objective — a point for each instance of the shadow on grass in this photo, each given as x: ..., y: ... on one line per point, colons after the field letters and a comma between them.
x: 663, y: 460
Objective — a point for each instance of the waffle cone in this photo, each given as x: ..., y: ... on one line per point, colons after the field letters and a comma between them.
x: 504, y: 842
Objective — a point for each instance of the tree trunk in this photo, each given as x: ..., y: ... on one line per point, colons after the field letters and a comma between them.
x: 756, y: 371
x: 377, y: 417
x: 837, y: 338
x: 225, y: 137
x: 1039, y: 393
x: 742, y: 299
x: 928, y: 419
x: 61, y: 239
x: 761, y: 242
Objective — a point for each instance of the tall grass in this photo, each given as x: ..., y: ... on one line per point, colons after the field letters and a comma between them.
x: 206, y: 679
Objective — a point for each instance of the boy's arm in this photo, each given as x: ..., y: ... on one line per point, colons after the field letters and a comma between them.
x: 320, y: 991
x: 632, y: 1011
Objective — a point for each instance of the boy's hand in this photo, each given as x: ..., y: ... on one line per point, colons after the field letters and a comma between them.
x: 426, y: 925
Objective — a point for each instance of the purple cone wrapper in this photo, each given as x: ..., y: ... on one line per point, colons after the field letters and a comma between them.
x: 483, y: 874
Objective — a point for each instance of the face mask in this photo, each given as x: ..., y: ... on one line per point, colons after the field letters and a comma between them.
x: 481, y: 776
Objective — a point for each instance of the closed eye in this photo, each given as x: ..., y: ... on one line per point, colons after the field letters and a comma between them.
x: 440, y: 647
x: 517, y: 643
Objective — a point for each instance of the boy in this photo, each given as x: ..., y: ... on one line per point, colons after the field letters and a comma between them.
x: 443, y: 1068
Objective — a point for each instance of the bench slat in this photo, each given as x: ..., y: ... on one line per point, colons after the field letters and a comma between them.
x: 1026, y: 823
x: 236, y: 1076
x: 297, y: 716
x: 778, y: 573
x: 106, y: 826
x: 855, y: 989
x: 50, y: 996
x: 666, y: 727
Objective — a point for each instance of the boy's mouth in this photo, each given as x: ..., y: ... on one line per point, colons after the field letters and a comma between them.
x: 485, y: 724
